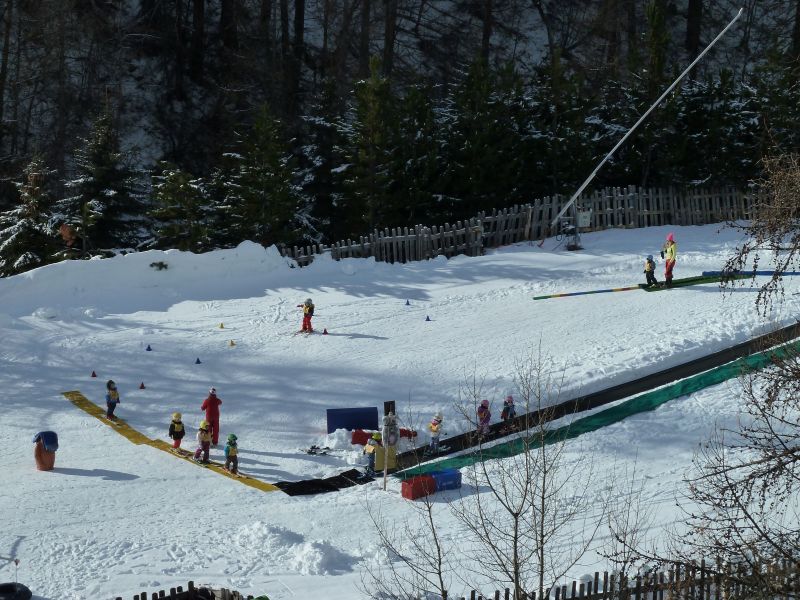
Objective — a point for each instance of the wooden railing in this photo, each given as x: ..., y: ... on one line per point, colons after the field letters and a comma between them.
x: 612, y: 207
x: 191, y: 593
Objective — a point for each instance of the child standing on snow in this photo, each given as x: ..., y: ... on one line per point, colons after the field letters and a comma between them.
x: 308, y: 312
x: 435, y: 427
x: 369, y: 450
x: 231, y: 455
x: 650, y: 270
x: 484, y: 416
x: 176, y: 430
x: 509, y: 412
x: 203, y: 442
x: 112, y: 399
x: 669, y: 253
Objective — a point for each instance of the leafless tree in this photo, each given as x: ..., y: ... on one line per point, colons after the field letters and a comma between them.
x: 773, y: 233
x: 529, y: 517
x: 414, y: 560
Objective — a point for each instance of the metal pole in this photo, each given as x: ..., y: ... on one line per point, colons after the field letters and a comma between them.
x: 642, y: 118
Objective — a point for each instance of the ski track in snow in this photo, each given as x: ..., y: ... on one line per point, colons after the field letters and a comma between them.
x: 116, y: 519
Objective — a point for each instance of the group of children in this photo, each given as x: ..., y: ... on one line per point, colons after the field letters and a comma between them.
x: 669, y: 253
x: 207, y: 434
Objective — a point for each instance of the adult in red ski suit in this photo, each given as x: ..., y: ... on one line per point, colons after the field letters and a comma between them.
x: 211, y: 406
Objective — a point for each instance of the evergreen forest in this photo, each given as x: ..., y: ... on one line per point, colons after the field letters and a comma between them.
x: 197, y: 124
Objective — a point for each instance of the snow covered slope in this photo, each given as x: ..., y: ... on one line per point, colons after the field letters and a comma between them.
x: 116, y: 518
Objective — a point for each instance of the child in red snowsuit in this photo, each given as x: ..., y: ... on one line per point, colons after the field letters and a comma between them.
x: 484, y: 416
x: 308, y: 312
x: 211, y: 406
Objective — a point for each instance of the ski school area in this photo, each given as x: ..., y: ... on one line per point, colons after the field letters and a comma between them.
x: 123, y: 509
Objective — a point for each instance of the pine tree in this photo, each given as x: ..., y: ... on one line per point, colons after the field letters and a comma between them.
x: 27, y: 238
x: 181, y: 212
x: 106, y: 202
x: 254, y: 194
x: 370, y: 137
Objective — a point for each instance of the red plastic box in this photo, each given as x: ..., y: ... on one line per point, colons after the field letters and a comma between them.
x: 359, y: 436
x: 407, y: 433
x: 417, y: 487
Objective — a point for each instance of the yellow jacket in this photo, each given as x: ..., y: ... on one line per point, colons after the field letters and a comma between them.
x: 203, y: 436
x: 670, y: 250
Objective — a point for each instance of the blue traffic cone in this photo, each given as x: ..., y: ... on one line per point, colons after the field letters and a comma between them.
x: 149, y: 349
x: 197, y: 362
x: 427, y: 318
x: 408, y: 303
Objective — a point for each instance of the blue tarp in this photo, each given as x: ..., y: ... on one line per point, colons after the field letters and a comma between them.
x: 49, y: 440
x: 352, y: 418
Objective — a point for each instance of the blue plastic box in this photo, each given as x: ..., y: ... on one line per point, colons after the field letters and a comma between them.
x: 447, y: 479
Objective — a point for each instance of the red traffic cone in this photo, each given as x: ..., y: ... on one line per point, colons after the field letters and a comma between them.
x: 141, y: 386
x: 324, y: 332
x: 94, y: 374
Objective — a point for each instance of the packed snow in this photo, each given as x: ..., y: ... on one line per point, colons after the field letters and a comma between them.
x: 115, y: 518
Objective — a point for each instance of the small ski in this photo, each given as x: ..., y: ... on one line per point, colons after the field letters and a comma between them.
x: 318, y: 451
x: 440, y: 450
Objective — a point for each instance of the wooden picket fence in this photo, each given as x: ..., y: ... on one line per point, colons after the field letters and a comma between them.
x: 191, y: 593
x: 608, y: 208
x: 693, y: 582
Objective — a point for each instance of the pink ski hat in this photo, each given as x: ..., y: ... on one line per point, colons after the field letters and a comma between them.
x: 509, y: 399
x: 670, y: 237
x: 485, y: 403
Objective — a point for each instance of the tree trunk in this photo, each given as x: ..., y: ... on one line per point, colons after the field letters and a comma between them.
x: 363, y: 46
x: 179, y: 58
x: 487, y: 30
x: 796, y: 34
x: 299, y: 51
x: 266, y: 29
x: 227, y: 24
x: 694, y: 17
x: 389, y: 34
x: 7, y: 20
x: 198, y: 34
x: 326, y: 17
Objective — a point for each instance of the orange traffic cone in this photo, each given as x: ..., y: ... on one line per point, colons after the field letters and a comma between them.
x: 94, y: 374
x: 141, y: 386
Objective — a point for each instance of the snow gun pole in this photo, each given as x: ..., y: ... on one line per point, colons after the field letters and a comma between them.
x: 639, y: 122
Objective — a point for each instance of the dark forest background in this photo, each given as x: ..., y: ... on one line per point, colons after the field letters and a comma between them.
x: 196, y: 124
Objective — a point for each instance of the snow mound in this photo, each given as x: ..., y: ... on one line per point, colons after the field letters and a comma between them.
x: 320, y: 558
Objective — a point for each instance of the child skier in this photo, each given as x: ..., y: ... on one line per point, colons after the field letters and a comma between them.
x: 308, y: 312
x: 509, y: 412
x: 650, y: 270
x: 484, y: 416
x: 203, y: 442
x: 669, y: 253
x: 435, y: 427
x: 112, y: 399
x: 211, y: 406
x: 369, y: 450
x: 176, y: 430
x: 231, y: 455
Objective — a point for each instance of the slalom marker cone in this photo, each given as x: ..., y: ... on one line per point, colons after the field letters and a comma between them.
x: 408, y: 303
x: 221, y: 326
x: 427, y: 318
x: 141, y: 386
x: 324, y: 332
x: 148, y: 348
x: 197, y: 362
x: 232, y: 344
x: 94, y: 374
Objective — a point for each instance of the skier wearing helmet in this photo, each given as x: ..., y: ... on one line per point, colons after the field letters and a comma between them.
x: 308, y: 312
x: 669, y: 252
x: 203, y: 442
x: 176, y: 430
x: 484, y: 416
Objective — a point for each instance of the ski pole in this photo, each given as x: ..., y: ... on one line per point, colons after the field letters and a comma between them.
x: 641, y: 119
